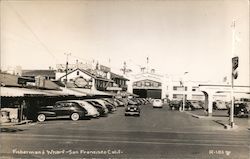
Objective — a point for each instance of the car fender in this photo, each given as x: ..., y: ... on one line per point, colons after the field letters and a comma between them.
x: 47, y: 113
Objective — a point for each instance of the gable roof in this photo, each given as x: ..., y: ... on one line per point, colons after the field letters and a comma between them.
x: 50, y: 73
x: 88, y: 73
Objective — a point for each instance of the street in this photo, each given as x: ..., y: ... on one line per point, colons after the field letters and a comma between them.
x: 157, y: 133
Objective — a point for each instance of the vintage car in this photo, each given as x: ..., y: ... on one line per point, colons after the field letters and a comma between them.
x: 132, y: 110
x: 240, y: 109
x: 62, y: 109
x: 157, y: 103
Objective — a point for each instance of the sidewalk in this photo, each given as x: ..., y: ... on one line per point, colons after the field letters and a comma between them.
x: 221, y: 117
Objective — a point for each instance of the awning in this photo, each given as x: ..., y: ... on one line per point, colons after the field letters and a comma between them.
x: 20, y: 92
x: 90, y: 92
x: 71, y: 91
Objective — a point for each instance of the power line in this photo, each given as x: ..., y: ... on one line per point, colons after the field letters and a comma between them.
x: 30, y: 29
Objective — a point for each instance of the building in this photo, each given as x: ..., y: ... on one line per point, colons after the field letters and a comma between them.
x: 99, y: 78
x: 47, y: 74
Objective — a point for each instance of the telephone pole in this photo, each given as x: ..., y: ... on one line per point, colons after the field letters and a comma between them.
x: 234, y: 66
x: 124, y: 69
x: 67, y: 63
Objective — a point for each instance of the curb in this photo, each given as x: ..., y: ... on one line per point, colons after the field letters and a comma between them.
x: 198, y: 116
x: 204, y: 117
x: 19, y: 123
x: 216, y: 120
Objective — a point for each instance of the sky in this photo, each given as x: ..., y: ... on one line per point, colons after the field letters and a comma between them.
x: 179, y: 36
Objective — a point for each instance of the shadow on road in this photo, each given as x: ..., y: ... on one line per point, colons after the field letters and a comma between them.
x: 10, y: 130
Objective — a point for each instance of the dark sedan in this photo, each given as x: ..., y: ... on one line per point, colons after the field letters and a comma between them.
x: 132, y: 110
x: 61, y: 109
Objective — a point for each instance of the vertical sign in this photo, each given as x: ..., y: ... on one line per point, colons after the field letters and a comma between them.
x: 235, y: 64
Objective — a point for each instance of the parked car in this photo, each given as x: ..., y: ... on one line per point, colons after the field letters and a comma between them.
x: 240, y: 109
x: 62, y: 109
x: 111, y: 101
x: 103, y: 110
x: 132, y: 110
x: 194, y: 104
x: 119, y: 102
x: 111, y: 108
x: 157, y: 103
x: 175, y: 104
x: 132, y: 101
x: 220, y: 105
x: 124, y: 101
x: 188, y: 105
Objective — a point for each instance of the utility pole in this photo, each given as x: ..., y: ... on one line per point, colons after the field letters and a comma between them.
x: 124, y: 69
x: 184, y: 94
x: 67, y: 63
x: 231, y: 119
x: 147, y: 64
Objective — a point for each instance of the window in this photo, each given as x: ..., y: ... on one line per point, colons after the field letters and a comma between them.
x: 175, y: 88
x: 147, y: 83
x: 156, y: 84
x: 138, y: 84
x: 77, y: 73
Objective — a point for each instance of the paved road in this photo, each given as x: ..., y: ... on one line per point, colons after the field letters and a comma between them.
x: 158, y: 133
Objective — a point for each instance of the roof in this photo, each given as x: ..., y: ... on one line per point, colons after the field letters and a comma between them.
x: 90, y: 92
x: 20, y: 92
x: 50, y: 85
x: 9, y: 80
x: 82, y: 70
x: 113, y: 75
x: 90, y: 74
x: 70, y: 91
x: 50, y: 73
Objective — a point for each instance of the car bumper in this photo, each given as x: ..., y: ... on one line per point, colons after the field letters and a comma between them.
x: 132, y: 113
x: 157, y: 106
x: 92, y: 115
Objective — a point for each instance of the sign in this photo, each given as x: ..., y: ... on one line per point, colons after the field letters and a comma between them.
x: 80, y: 82
x: 235, y: 64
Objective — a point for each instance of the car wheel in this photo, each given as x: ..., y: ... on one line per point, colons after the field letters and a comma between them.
x: 74, y: 116
x: 41, y: 117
